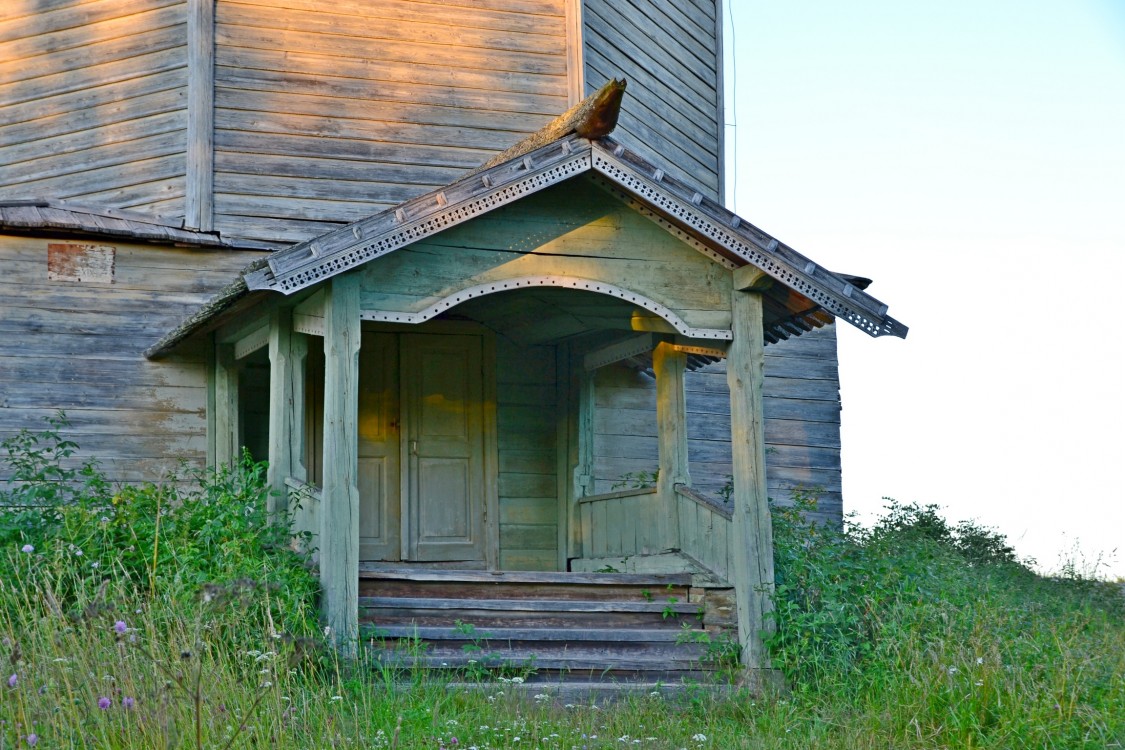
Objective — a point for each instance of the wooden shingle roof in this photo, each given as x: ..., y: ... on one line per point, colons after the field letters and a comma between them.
x: 39, y: 215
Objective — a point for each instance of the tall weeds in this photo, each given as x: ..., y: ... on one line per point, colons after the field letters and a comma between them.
x: 173, y: 616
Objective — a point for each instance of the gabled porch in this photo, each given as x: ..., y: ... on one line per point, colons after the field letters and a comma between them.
x: 433, y: 377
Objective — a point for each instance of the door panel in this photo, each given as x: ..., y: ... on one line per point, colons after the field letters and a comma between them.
x: 379, y: 448
x: 444, y: 482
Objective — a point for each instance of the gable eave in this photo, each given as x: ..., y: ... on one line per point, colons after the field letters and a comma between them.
x: 647, y: 187
x: 641, y: 184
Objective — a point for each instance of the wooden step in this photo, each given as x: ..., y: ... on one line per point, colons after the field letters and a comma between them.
x: 519, y: 585
x: 432, y: 611
x: 623, y: 635
x: 573, y: 666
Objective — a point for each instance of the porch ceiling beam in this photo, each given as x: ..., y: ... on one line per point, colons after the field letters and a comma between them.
x: 257, y: 339
x: 619, y: 350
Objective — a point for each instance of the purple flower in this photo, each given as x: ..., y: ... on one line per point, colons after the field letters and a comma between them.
x: 128, y: 702
x: 13, y: 680
x: 27, y: 548
x: 120, y: 626
x: 32, y: 739
x: 104, y: 703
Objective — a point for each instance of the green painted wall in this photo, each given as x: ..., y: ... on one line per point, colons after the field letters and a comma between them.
x: 526, y: 425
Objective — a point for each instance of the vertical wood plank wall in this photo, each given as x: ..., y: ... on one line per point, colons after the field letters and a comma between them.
x: 78, y: 346
x: 93, y: 103
x: 668, y: 51
x: 802, y: 408
x: 528, y: 483
x: 327, y: 112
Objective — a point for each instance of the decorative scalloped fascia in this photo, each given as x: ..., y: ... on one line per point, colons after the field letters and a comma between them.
x: 568, y: 282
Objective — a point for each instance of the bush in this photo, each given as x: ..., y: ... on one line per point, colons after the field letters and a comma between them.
x: 200, y: 532
x: 947, y: 637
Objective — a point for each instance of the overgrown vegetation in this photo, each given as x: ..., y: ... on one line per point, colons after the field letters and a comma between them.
x: 171, y: 615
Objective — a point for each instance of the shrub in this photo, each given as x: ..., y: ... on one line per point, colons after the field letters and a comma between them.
x: 198, y: 532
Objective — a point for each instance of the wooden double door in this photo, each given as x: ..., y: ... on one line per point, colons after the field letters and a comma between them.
x: 422, y: 444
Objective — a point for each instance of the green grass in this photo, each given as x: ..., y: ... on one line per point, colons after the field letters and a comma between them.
x: 176, y: 609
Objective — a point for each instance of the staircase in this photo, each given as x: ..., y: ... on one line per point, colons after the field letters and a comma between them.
x: 542, y: 627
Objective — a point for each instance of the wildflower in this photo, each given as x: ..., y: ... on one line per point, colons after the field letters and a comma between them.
x: 979, y: 683
x: 953, y: 670
x: 13, y: 680
x: 517, y: 680
x: 120, y: 627
x: 337, y: 698
x: 128, y: 702
x: 104, y: 703
x: 27, y: 549
x: 699, y: 738
x: 980, y: 660
x: 95, y: 564
x: 32, y: 739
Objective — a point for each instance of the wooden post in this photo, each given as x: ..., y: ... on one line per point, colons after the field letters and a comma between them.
x: 287, y: 408
x: 582, y: 442
x: 227, y: 438
x: 669, y: 367
x: 199, y: 180
x: 339, y: 509
x: 752, y: 573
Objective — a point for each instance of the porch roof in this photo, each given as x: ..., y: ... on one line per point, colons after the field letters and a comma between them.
x: 803, y: 295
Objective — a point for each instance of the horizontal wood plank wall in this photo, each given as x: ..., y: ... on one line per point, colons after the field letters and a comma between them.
x: 625, y: 444
x: 77, y: 346
x: 329, y: 111
x: 669, y: 53
x: 526, y: 425
x: 93, y: 103
x: 802, y: 406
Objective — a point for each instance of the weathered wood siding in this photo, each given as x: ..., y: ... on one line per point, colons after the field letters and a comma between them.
x: 327, y: 112
x: 670, y: 54
x: 625, y: 444
x: 572, y: 229
x: 77, y: 346
x: 93, y: 102
x: 802, y: 408
x: 526, y: 422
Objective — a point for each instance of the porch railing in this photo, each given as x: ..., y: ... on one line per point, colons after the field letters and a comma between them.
x: 705, y: 531
x: 623, y: 524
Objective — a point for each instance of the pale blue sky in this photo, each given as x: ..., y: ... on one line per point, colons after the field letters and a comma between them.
x: 970, y: 157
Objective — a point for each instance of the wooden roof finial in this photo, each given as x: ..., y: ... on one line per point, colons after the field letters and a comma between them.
x: 594, y: 117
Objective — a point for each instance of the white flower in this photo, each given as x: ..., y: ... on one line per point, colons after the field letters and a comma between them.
x: 27, y: 549
x: 980, y: 660
x: 336, y: 698
x: 699, y: 738
x: 517, y: 680
x: 953, y: 670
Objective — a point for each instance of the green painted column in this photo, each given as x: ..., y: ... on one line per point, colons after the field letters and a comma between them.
x: 752, y: 574
x: 339, y: 509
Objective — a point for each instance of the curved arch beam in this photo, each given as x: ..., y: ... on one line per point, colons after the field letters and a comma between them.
x: 566, y: 282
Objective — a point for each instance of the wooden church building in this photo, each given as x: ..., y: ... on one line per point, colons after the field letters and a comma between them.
x: 476, y: 300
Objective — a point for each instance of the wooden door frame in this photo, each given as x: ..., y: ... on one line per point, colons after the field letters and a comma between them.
x: 490, y: 459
